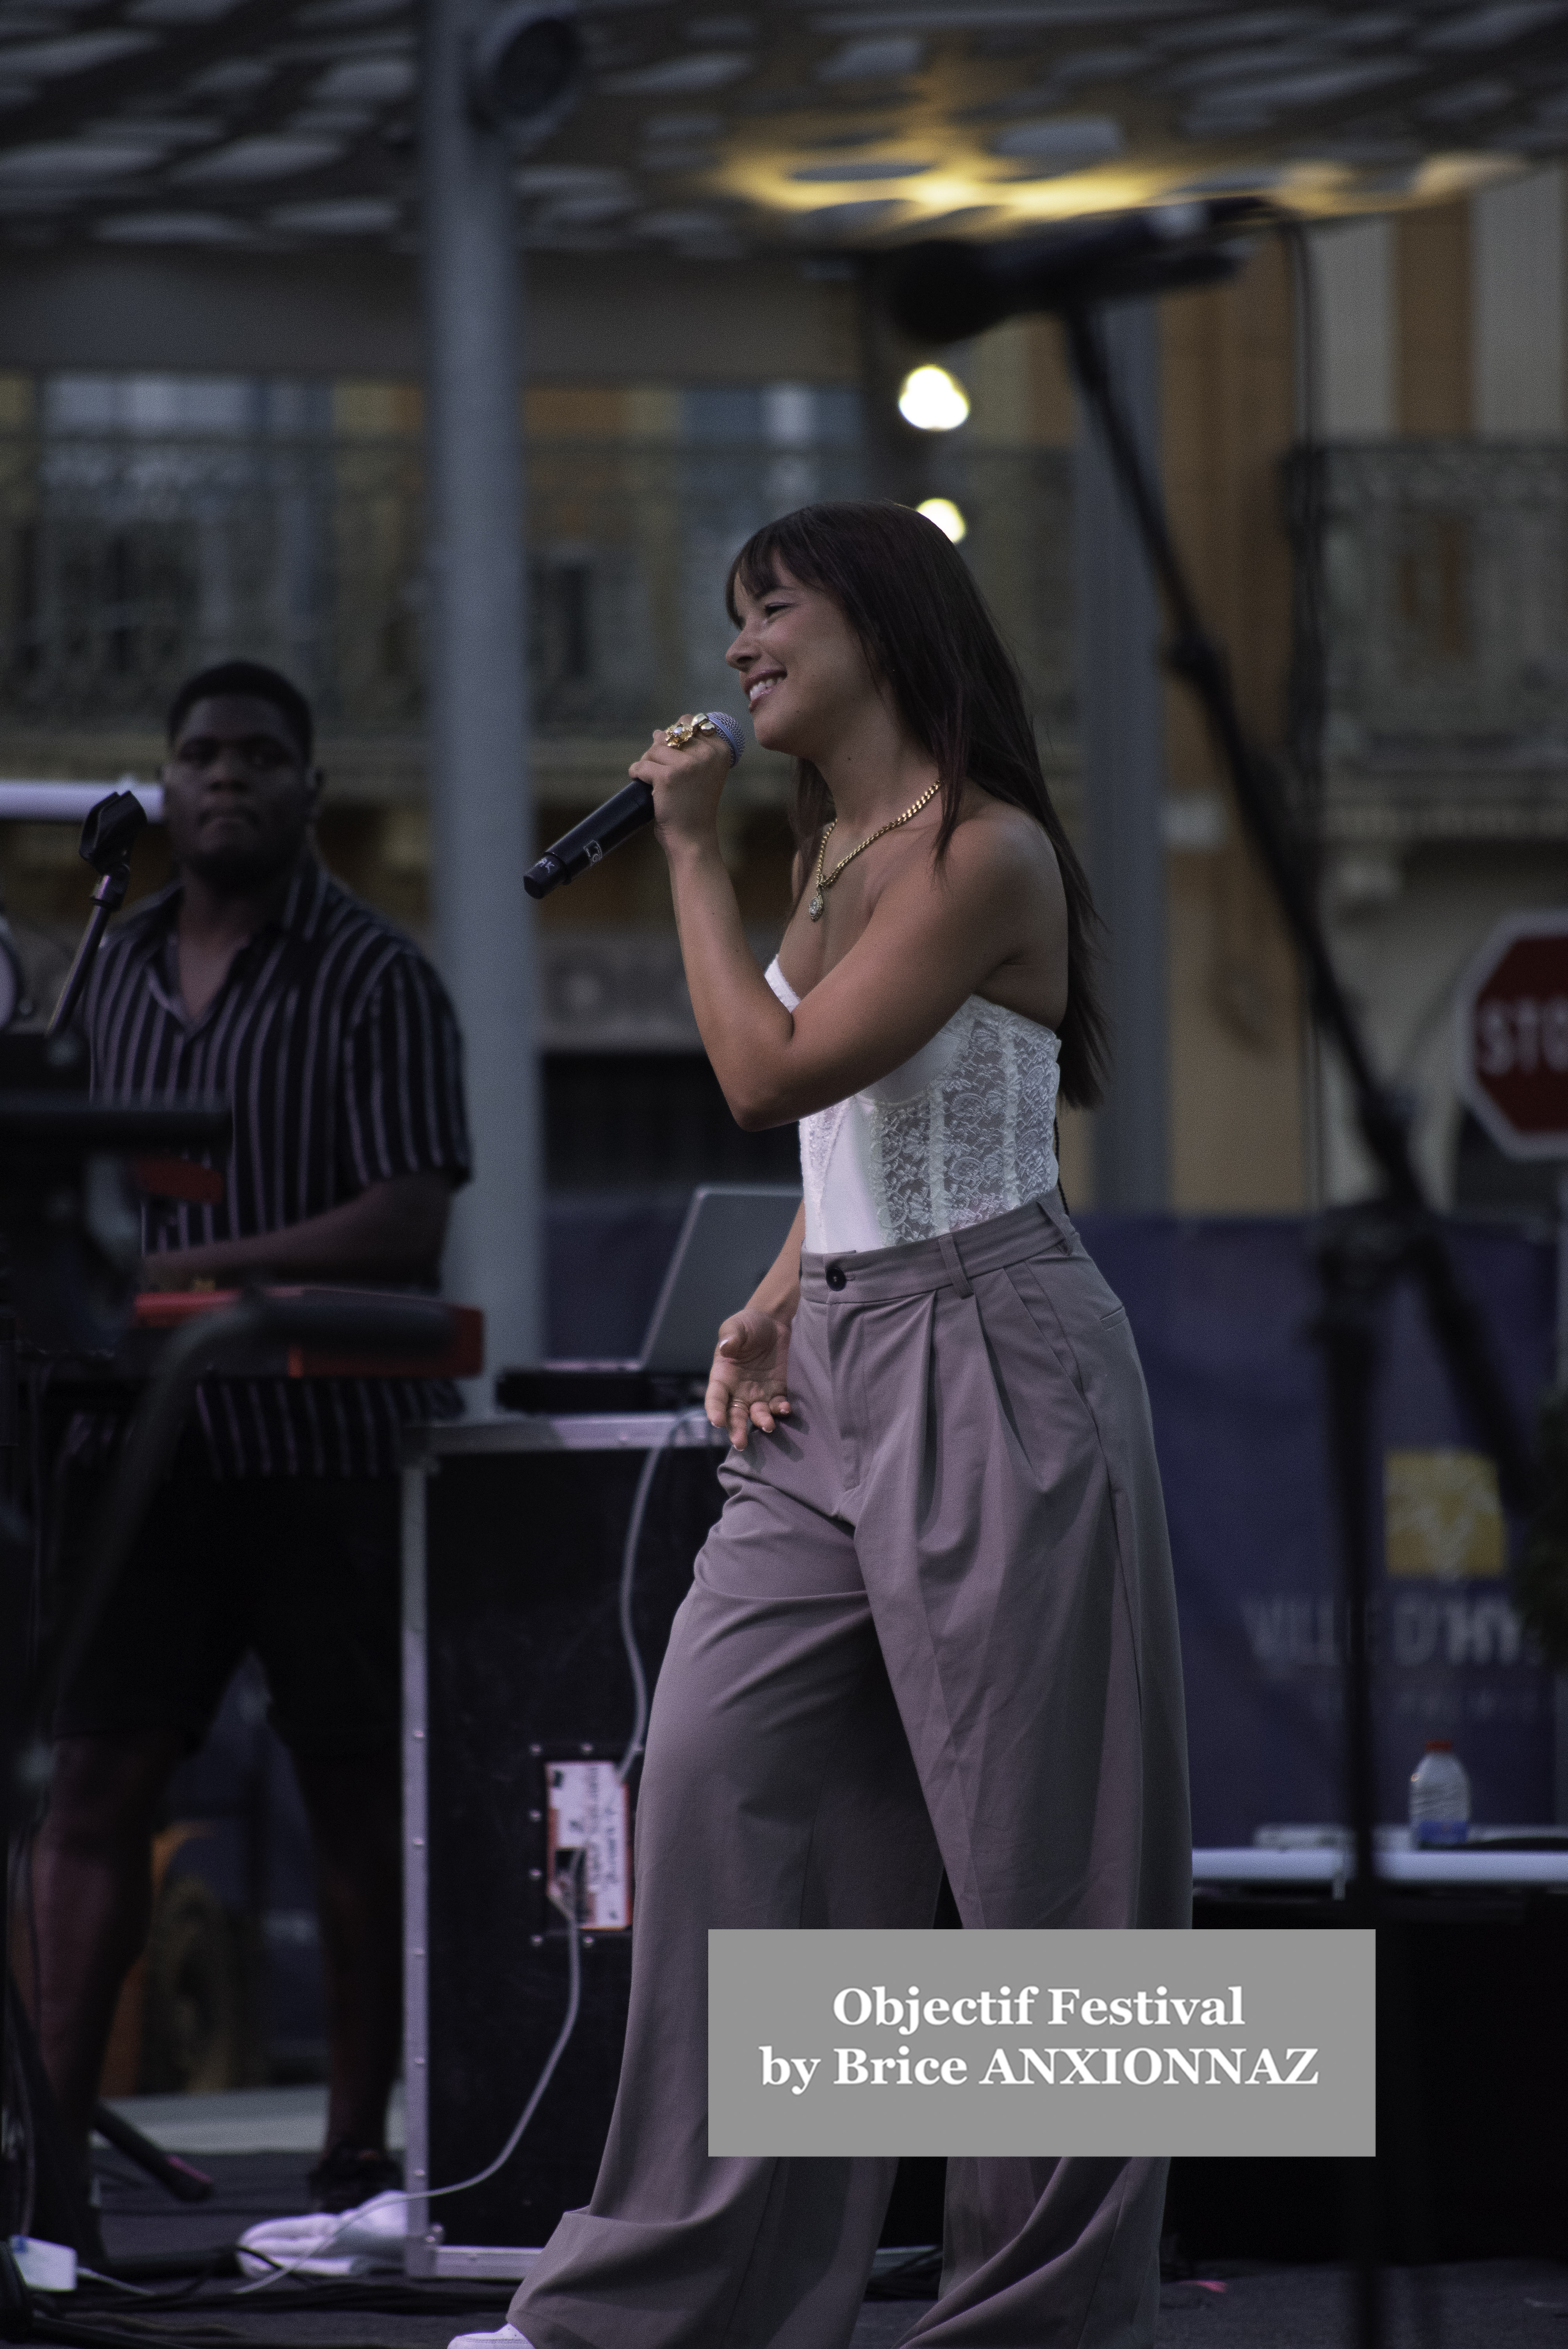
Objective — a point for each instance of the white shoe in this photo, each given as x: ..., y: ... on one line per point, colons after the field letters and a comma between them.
x: 509, y: 2335
x: 329, y: 2243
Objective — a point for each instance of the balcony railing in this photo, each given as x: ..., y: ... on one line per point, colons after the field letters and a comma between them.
x: 126, y: 561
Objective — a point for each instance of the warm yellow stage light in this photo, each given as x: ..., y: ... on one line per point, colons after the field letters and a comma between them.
x: 948, y: 518
x: 932, y: 399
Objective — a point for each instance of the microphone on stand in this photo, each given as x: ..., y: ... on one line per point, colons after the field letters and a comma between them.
x: 617, y: 821
x: 946, y: 291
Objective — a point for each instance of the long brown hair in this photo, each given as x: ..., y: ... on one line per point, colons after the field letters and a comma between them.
x: 924, y: 628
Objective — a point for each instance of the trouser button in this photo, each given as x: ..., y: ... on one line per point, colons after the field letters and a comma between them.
x: 835, y: 1276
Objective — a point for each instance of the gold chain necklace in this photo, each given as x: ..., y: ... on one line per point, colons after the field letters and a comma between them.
x: 820, y: 900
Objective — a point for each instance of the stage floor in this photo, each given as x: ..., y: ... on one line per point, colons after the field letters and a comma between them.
x: 244, y: 2120
x: 1475, y: 2307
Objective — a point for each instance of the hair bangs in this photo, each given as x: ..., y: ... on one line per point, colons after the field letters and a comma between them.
x: 756, y: 569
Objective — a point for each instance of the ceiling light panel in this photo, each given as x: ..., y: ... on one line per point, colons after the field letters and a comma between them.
x: 77, y: 159
x: 231, y: 77
x: 369, y: 81
x: 171, y: 228
x: 1068, y: 141
x: 798, y: 125
x: 178, y: 12
x: 335, y: 15
x: 78, y: 53
x: 1474, y: 29
x: 273, y: 157
x: 673, y: 77
x: 336, y: 217
x: 882, y: 58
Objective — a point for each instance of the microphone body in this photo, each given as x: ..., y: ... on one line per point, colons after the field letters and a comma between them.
x: 588, y: 842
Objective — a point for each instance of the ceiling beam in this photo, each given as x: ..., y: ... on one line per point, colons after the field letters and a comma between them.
x: 77, y: 97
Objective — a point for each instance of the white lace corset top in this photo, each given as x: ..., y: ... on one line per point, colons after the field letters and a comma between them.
x: 964, y: 1129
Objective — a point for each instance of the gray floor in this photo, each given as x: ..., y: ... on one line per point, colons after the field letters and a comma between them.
x: 244, y: 2120
x: 1490, y: 2305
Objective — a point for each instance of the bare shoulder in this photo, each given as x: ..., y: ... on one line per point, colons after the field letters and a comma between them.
x: 998, y: 846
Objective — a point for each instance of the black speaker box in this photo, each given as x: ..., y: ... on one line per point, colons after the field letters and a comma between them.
x: 514, y: 1532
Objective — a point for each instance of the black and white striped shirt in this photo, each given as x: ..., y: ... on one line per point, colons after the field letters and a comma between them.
x: 335, y: 1043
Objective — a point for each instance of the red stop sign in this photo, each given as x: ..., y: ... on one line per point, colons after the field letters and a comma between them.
x: 1513, y: 1035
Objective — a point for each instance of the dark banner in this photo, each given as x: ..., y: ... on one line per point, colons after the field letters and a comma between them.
x: 1222, y: 1309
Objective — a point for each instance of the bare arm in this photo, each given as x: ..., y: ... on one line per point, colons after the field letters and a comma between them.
x: 393, y: 1231
x: 746, y: 1386
x: 932, y: 939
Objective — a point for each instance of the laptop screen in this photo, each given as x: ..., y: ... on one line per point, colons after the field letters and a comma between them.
x: 731, y: 1234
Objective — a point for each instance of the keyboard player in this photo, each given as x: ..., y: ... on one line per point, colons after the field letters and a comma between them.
x: 257, y: 978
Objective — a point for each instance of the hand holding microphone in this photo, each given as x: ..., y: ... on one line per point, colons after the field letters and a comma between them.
x: 628, y: 812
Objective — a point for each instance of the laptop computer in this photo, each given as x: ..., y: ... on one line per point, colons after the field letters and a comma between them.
x: 731, y: 1234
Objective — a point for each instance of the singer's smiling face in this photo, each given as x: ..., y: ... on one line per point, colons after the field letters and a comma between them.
x: 808, y: 681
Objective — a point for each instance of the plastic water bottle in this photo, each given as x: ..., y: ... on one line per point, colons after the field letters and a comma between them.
x: 1439, y: 1796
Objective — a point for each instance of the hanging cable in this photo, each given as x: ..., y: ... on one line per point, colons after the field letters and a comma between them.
x: 479, y: 2176
x: 672, y: 1436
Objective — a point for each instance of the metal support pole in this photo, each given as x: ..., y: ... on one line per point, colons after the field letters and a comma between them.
x: 1357, y: 1262
x: 1559, y: 1679
x: 480, y: 821
x: 1122, y: 734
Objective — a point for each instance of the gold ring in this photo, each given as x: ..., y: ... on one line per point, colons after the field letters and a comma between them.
x: 678, y: 736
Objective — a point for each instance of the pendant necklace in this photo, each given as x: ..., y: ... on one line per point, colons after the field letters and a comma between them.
x: 826, y: 881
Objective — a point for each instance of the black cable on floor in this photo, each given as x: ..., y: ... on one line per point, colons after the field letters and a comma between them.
x: 387, y: 2296
x: 76, y: 2333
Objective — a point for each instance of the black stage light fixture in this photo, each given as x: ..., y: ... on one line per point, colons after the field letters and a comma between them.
x: 526, y: 69
x: 946, y: 291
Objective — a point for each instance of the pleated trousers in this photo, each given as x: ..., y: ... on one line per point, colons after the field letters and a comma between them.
x: 935, y: 1627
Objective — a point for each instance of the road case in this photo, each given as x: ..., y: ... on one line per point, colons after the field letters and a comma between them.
x: 518, y: 1706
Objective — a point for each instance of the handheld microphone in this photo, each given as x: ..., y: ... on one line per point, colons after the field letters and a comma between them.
x: 609, y: 825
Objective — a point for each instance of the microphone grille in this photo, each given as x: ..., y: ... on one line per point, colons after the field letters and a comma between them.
x: 731, y: 728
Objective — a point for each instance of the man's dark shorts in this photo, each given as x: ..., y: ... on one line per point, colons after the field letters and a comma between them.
x: 302, y: 1571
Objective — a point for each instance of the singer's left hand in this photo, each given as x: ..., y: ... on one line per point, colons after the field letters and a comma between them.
x: 687, y: 784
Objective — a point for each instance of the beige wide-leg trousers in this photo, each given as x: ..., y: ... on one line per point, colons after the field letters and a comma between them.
x: 935, y: 1627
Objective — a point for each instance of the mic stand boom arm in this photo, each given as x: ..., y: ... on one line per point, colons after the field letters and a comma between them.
x: 1363, y: 1248
x: 1194, y: 656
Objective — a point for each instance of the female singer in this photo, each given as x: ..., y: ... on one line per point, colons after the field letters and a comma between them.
x: 935, y: 1627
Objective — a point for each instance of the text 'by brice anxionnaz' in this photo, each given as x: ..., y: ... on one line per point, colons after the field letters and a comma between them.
x: 1039, y: 2060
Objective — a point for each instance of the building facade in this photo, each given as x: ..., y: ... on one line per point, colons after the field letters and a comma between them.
x: 1365, y: 449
